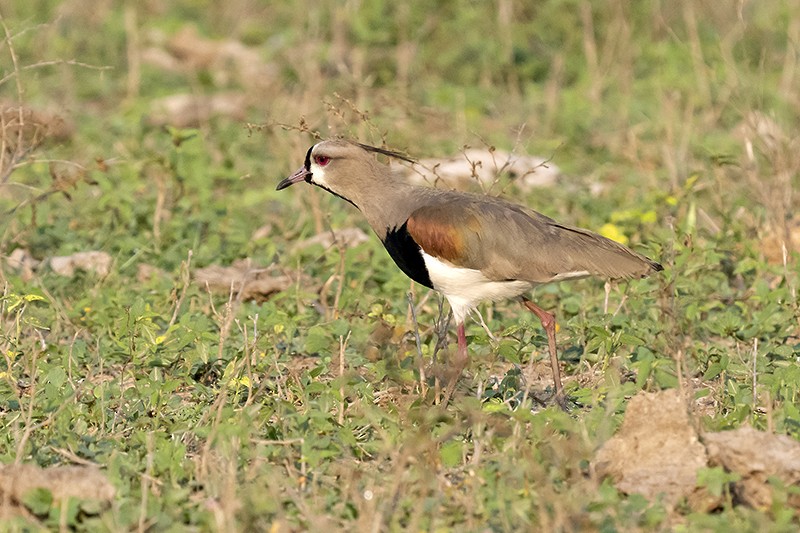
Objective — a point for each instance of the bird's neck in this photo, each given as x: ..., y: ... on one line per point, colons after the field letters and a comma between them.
x: 397, y: 202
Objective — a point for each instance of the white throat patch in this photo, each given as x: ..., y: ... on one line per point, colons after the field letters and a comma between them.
x: 318, y: 174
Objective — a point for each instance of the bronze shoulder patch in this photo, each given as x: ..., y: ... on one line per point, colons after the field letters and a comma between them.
x: 436, y: 235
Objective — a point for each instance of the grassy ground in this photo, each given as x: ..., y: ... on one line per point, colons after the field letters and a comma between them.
x: 675, y: 127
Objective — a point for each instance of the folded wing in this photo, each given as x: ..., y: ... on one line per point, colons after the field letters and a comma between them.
x: 509, y: 242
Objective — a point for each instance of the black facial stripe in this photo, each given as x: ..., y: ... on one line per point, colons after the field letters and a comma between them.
x: 351, y: 202
x: 308, y: 158
x: 407, y: 254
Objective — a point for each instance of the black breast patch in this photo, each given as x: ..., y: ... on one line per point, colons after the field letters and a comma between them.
x: 407, y: 254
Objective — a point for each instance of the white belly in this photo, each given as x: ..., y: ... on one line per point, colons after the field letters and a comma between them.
x: 465, y: 288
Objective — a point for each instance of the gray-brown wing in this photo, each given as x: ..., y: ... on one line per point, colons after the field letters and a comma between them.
x: 506, y: 241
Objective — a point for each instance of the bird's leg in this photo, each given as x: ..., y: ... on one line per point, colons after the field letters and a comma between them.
x: 460, y: 362
x: 548, y: 321
x: 462, y: 344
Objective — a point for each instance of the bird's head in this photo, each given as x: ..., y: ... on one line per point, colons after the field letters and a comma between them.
x: 341, y: 167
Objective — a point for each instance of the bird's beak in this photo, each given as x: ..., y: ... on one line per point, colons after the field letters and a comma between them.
x: 302, y: 174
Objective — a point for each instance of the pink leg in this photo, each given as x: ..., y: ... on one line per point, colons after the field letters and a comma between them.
x: 459, y: 363
x: 549, y: 324
x: 462, y: 342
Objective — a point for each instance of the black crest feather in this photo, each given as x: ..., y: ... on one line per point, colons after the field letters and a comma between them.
x: 389, y: 153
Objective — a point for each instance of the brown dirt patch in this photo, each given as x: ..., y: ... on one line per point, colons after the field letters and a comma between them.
x: 63, y: 482
x: 658, y: 452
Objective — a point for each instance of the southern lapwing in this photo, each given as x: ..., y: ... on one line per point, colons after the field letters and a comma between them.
x: 471, y: 248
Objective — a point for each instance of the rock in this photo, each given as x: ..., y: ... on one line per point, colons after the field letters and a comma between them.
x: 347, y: 237
x: 63, y: 482
x: 92, y: 261
x: 656, y: 452
x: 245, y: 279
x: 484, y: 166
x: 190, y: 110
x: 22, y: 261
x: 756, y: 456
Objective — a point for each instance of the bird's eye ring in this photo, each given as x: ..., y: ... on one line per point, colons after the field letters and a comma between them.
x: 322, y: 160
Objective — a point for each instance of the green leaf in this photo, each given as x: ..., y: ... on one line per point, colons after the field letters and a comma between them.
x: 626, y: 339
x: 716, y: 479
x: 643, y: 371
x: 451, y: 453
x: 57, y: 376
x: 494, y: 405
x: 39, y: 501
x: 318, y: 340
x: 713, y: 370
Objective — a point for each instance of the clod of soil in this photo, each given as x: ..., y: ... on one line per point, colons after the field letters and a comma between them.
x: 191, y: 110
x: 93, y: 261
x: 756, y: 456
x: 248, y: 281
x: 97, y: 262
x: 656, y: 451
x: 347, y: 237
x: 485, y: 166
x: 63, y: 482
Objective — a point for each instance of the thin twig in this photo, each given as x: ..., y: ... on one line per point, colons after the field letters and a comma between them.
x: 755, y: 375
x: 442, y: 324
x: 526, y: 393
x: 133, y: 50
x: 342, y: 345
x: 485, y: 327
x: 145, y: 487
x: 621, y: 302
x: 284, y: 442
x: 340, y: 287
x: 20, y: 114
x: 186, y: 278
x: 227, y: 317
x: 418, y: 340
x: 416, y: 324
x: 250, y: 360
x: 29, y: 426
x: 73, y: 458
x: 40, y: 64
x: 790, y: 281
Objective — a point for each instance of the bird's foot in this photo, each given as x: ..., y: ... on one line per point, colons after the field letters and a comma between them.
x: 561, y: 400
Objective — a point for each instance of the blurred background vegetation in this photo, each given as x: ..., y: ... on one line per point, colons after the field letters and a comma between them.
x: 647, y: 92
x: 145, y: 129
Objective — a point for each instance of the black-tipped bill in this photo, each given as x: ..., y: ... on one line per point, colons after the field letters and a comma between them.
x: 302, y: 174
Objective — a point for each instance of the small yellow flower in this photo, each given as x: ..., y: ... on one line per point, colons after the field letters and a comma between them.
x: 648, y: 217
x: 613, y: 232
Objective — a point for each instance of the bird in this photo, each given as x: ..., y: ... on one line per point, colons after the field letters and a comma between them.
x: 469, y: 247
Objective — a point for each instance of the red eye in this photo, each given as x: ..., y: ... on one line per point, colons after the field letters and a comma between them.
x: 321, y: 160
